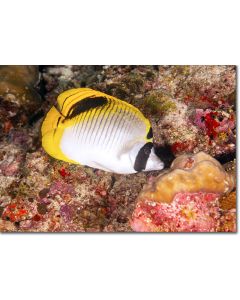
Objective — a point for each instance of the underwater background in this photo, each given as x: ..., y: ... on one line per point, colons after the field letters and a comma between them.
x: 191, y: 109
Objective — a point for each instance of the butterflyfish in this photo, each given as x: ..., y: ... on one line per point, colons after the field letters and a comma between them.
x: 94, y: 129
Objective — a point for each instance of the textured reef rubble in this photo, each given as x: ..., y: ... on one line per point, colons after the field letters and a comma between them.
x: 191, y: 108
x: 186, y: 197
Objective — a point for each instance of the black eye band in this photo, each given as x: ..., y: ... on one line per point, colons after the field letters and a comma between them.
x: 142, y: 157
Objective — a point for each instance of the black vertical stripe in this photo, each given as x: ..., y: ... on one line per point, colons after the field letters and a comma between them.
x: 77, y: 124
x: 58, y: 121
x: 128, y: 116
x: 130, y: 125
x: 56, y: 125
x: 116, y: 115
x: 86, y: 124
x: 118, y: 129
x: 95, y: 124
x: 107, y: 111
x: 81, y: 125
x: 123, y: 127
x: 86, y: 131
x: 92, y: 123
x: 115, y: 127
x: 107, y: 136
x: 91, y: 119
x: 142, y: 157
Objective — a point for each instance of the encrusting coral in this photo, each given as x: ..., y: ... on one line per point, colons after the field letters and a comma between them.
x: 185, y: 197
x: 190, y: 173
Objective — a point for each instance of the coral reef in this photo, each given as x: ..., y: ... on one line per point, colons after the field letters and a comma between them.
x: 191, y: 108
x: 185, y: 197
x: 190, y: 173
x: 17, y: 84
x: 19, y: 96
x: 188, y: 212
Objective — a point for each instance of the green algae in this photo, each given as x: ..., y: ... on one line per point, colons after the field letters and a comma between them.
x: 158, y: 103
x: 134, y: 83
x: 130, y: 84
x: 182, y: 70
x: 23, y: 189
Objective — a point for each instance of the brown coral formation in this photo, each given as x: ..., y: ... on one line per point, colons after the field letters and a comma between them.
x: 19, y: 97
x: 17, y: 84
x: 228, y: 202
x: 190, y: 173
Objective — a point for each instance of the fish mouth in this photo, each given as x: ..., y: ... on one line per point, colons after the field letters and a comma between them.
x: 154, y: 162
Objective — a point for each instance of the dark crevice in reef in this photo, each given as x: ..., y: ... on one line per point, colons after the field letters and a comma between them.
x: 42, y: 91
x: 41, y: 87
x: 37, y: 116
x: 226, y: 157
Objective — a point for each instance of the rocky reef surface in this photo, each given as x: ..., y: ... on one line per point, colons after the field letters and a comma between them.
x: 186, y: 197
x: 191, y: 108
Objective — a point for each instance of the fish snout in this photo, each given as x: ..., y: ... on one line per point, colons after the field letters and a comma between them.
x: 154, y: 162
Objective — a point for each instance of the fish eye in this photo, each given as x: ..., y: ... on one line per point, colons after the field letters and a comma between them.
x: 147, y: 151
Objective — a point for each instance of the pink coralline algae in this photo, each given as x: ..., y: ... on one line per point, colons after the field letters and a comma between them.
x: 10, y: 166
x: 188, y: 212
x: 66, y: 212
x: 185, y: 198
x: 61, y: 188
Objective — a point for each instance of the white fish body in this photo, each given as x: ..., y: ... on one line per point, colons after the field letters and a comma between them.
x: 100, y: 131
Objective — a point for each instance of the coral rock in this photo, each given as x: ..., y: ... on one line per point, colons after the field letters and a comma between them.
x: 185, y: 198
x: 188, y: 212
x: 17, y: 83
x: 190, y: 173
